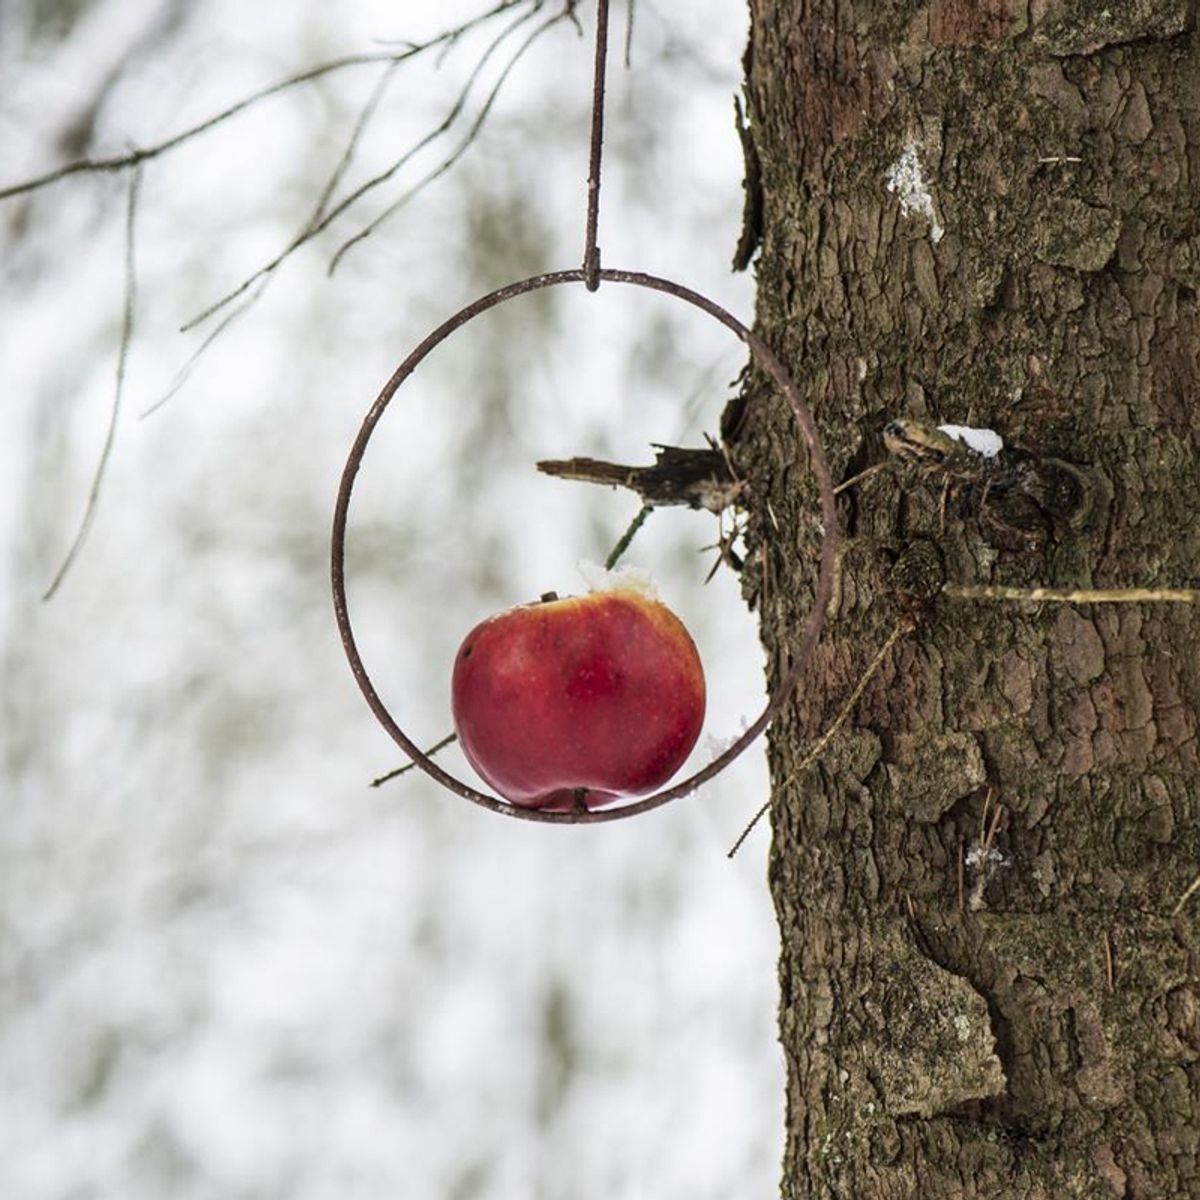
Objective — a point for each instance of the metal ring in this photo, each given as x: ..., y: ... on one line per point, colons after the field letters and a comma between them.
x: 764, y: 357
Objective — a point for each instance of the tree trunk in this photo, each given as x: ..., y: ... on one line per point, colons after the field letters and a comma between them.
x: 984, y: 212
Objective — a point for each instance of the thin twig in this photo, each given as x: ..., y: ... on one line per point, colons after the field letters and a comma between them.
x: 1108, y: 961
x: 1192, y: 889
x: 987, y: 801
x: 450, y: 737
x: 993, y: 829
x: 901, y: 628
x: 614, y: 555
x: 89, y: 511
x: 184, y: 372
x: 962, y: 852
x: 1041, y: 595
x: 459, y: 151
x: 849, y: 483
x: 983, y: 863
x: 724, y: 547
x: 365, y: 116
x: 143, y: 154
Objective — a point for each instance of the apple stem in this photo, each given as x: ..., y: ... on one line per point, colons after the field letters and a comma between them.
x: 547, y: 597
x: 579, y: 800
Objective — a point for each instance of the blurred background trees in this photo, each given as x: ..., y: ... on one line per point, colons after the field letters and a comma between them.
x: 227, y: 967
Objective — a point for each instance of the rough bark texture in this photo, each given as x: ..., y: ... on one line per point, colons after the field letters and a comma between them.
x: 985, y: 212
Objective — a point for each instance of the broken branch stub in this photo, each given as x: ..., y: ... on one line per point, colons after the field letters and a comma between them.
x: 679, y: 476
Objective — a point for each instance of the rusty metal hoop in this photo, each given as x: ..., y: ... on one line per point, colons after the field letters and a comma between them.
x: 765, y: 359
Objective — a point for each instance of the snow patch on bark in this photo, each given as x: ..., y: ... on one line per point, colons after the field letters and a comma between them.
x: 983, y: 441
x: 906, y: 178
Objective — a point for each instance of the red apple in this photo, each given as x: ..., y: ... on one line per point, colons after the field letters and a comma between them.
x: 595, y: 696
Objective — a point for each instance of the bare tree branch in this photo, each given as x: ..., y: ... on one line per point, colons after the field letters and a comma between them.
x: 568, y: 13
x: 143, y: 154
x: 89, y: 512
x: 311, y: 230
x: 323, y: 213
x: 692, y: 477
x: 360, y: 125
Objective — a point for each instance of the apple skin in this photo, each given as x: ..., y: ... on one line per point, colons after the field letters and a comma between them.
x: 603, y: 692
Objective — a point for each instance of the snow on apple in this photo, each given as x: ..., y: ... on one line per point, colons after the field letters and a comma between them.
x: 632, y: 579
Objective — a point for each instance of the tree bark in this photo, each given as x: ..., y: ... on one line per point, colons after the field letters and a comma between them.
x: 984, y: 212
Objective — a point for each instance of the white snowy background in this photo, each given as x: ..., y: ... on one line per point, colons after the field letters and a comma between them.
x: 228, y: 968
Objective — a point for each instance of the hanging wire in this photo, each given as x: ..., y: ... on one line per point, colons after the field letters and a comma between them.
x: 591, y: 251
